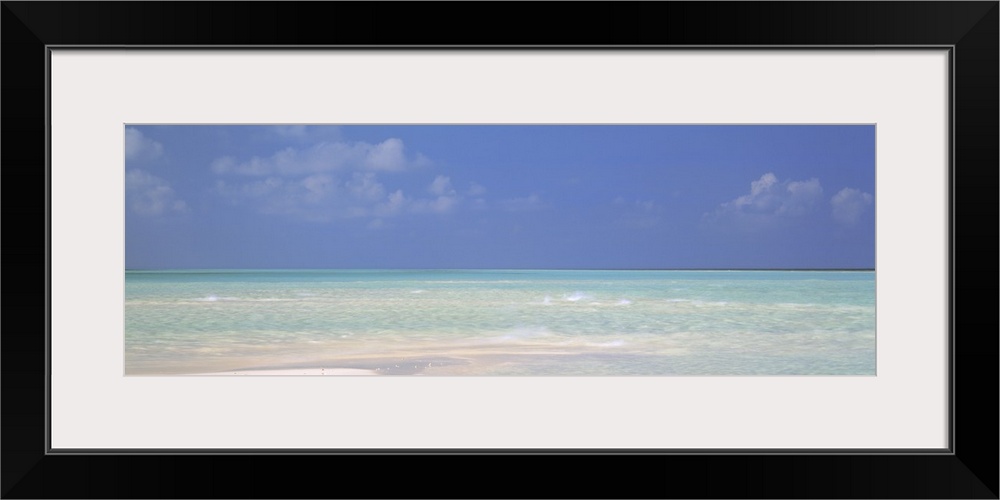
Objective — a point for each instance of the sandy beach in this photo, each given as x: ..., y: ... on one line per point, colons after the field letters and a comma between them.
x: 292, y: 371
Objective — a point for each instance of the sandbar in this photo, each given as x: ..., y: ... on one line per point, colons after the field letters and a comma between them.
x: 293, y: 371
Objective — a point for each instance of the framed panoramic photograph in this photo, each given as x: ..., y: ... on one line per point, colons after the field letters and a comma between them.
x: 700, y: 253
x: 601, y: 251
x: 525, y: 250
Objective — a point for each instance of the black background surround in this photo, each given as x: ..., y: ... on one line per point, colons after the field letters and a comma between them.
x: 968, y: 470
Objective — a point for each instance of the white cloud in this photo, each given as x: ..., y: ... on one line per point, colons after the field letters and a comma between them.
x: 441, y: 186
x: 386, y: 156
x: 303, y: 134
x: 770, y: 201
x: 848, y: 205
x: 522, y: 204
x: 439, y: 205
x: 322, y: 197
x: 140, y: 148
x: 147, y: 194
x: 318, y: 186
x: 802, y: 197
x: 259, y: 189
x: 475, y: 189
x: 446, y: 197
x: 647, y: 205
x: 223, y: 165
x: 331, y: 179
x: 366, y: 187
x: 763, y: 184
x: 324, y: 157
x: 317, y: 197
x: 392, y: 205
x: 271, y: 195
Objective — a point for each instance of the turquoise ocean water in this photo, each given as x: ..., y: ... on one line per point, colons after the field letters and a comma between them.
x: 502, y: 322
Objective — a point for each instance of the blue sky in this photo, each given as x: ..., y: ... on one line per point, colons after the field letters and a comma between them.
x: 499, y: 196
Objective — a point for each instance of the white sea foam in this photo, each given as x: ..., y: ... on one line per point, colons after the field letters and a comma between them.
x: 576, y: 296
x: 624, y: 302
x: 613, y: 343
x: 215, y: 298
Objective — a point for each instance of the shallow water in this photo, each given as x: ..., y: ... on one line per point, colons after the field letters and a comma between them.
x: 502, y: 322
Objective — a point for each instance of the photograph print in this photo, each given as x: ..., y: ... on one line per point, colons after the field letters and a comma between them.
x: 499, y: 250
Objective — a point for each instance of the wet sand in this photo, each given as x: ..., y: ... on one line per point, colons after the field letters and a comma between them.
x: 293, y: 371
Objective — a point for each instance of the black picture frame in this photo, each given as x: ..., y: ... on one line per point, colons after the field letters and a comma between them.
x: 968, y: 470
